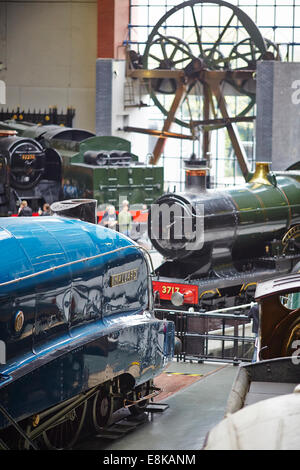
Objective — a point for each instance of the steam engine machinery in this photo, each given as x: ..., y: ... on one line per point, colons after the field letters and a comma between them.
x: 217, y: 244
x: 101, y: 168
x: 77, y: 329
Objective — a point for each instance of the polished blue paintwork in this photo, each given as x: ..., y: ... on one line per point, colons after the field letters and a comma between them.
x: 79, y: 330
x: 34, y: 244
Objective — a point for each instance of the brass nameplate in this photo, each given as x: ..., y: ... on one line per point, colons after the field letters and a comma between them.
x: 123, y: 278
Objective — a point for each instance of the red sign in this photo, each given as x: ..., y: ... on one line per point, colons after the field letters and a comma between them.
x: 166, y: 289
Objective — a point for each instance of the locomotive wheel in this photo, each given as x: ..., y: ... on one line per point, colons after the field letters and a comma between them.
x: 214, y: 52
x: 65, y: 434
x: 168, y: 52
x: 141, y: 406
x: 291, y: 340
x: 245, y: 54
x: 102, y: 409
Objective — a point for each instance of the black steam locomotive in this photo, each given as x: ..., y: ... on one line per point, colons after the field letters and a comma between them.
x: 27, y: 171
x: 218, y: 244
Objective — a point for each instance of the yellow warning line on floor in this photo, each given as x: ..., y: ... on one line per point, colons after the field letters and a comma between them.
x: 183, y: 373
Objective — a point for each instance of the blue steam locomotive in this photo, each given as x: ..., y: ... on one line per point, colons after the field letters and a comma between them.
x: 77, y: 330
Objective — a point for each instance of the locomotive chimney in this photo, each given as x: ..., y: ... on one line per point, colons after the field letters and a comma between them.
x: 195, y: 173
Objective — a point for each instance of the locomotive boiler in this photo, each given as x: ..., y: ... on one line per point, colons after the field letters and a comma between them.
x: 77, y: 328
x: 217, y: 244
x: 27, y: 171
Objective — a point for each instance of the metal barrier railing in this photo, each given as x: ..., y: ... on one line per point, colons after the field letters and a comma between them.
x: 223, y: 335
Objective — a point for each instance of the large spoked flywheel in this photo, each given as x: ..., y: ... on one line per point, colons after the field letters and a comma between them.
x: 214, y: 36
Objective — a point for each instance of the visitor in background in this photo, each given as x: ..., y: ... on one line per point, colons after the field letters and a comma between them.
x: 105, y: 214
x: 110, y: 218
x: 125, y: 219
x: 46, y: 210
x: 69, y: 191
x: 24, y: 210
